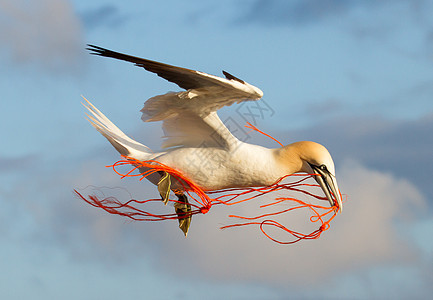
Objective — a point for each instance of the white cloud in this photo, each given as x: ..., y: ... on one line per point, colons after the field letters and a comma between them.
x: 364, y: 235
x: 45, y: 32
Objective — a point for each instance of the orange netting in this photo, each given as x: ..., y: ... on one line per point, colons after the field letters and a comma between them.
x: 202, y: 201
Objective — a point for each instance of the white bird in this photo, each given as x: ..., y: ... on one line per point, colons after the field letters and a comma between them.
x: 200, y: 146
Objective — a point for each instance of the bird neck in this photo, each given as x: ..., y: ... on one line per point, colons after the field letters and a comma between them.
x: 289, y: 157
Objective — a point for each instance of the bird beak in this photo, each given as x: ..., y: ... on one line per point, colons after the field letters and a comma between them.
x: 328, y: 183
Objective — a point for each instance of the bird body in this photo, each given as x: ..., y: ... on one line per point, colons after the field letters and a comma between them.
x: 216, y: 168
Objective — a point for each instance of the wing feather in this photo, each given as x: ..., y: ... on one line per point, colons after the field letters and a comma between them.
x: 184, y: 78
x: 189, y: 117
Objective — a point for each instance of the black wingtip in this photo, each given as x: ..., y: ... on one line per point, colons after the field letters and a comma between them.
x: 96, y: 50
x: 94, y: 47
x: 231, y: 77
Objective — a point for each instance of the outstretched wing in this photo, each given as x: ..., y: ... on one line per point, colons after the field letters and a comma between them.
x: 189, y: 117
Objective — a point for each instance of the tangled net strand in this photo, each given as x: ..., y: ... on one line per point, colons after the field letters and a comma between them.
x: 202, y: 201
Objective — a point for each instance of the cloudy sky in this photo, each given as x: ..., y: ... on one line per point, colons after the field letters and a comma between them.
x: 356, y: 76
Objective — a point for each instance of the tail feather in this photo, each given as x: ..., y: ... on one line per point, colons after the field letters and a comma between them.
x: 120, y: 141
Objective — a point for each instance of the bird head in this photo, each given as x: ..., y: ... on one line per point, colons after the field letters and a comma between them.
x: 313, y: 158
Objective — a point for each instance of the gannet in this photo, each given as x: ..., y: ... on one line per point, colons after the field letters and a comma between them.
x: 199, y: 145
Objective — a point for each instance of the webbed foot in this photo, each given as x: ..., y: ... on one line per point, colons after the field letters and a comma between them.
x: 164, y: 186
x: 183, y: 211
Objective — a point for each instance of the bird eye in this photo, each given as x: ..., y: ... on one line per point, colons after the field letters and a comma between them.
x: 322, y: 167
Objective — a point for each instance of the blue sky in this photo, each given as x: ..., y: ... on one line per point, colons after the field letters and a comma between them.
x: 356, y: 76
